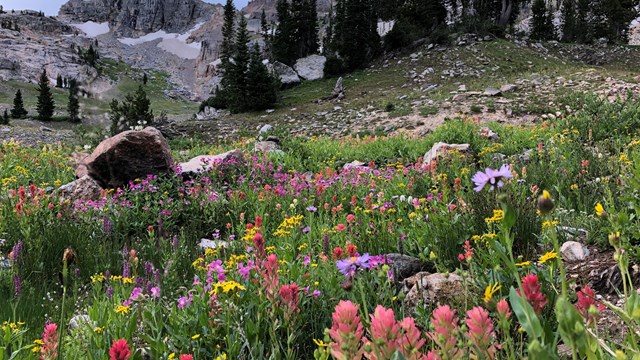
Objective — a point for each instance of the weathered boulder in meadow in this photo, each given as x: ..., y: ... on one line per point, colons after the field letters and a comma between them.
x: 405, y: 266
x: 205, y: 163
x: 128, y: 156
x: 288, y: 77
x: 84, y: 188
x: 439, y: 149
x: 573, y: 251
x: 311, y: 67
x: 78, y: 158
x: 433, y: 289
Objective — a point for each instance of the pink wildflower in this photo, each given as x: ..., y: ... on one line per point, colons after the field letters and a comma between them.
x: 532, y: 293
x: 384, y: 332
x: 503, y: 308
x: 186, y: 357
x: 411, y: 340
x: 49, y: 348
x: 289, y: 297
x: 346, y: 332
x: 119, y: 350
x: 587, y: 299
x: 351, y: 218
x: 445, y: 331
x: 481, y: 333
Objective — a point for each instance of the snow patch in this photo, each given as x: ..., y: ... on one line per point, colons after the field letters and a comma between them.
x: 93, y: 29
x: 170, y: 42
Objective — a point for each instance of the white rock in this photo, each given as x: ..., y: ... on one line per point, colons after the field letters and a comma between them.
x: 212, y: 244
x: 311, y: 67
x: 574, y: 251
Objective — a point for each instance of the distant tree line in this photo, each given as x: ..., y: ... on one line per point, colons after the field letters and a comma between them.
x: 8, y: 24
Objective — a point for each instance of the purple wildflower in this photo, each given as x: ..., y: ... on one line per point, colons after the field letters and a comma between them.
x: 109, y: 292
x: 306, y: 229
x: 155, y: 292
x: 316, y: 294
x: 491, y: 177
x: 17, y: 285
x: 184, y: 301
x: 16, y: 252
x: 307, y: 260
x: 349, y: 266
x: 135, y: 293
x: 312, y: 208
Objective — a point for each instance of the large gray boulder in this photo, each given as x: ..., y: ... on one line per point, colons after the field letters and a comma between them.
x: 432, y: 289
x: 84, y: 188
x: 311, y: 67
x: 205, y: 163
x: 286, y: 74
x: 128, y: 156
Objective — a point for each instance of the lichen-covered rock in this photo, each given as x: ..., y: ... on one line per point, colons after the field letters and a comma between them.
x: 84, y: 188
x: 433, y: 289
x: 311, y: 67
x: 128, y: 156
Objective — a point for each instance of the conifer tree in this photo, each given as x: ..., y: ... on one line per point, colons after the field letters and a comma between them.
x: 145, y: 79
x: 264, y: 28
x: 18, y: 111
x: 355, y: 36
x: 73, y: 107
x: 59, y: 81
x: 238, y: 75
x: 542, y: 25
x: 5, y: 118
x: 45, y: 106
x: 227, y: 46
x: 262, y: 86
x: 583, y: 19
x: 134, y: 111
x: 284, y: 38
x: 568, y: 21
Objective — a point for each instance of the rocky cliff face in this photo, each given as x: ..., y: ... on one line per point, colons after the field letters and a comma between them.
x: 132, y: 18
x: 41, y: 43
x: 255, y: 7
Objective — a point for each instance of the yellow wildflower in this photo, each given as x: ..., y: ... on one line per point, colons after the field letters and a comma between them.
x: 320, y: 343
x: 121, y: 309
x: 624, y: 159
x: 98, y: 278
x: 549, y: 224
x: 222, y: 357
x: 524, y: 263
x: 98, y: 330
x: 127, y: 280
x: 172, y: 356
x: 573, y: 187
x: 548, y: 256
x: 498, y: 215
x: 600, y: 210
x: 195, y: 337
x: 489, y: 291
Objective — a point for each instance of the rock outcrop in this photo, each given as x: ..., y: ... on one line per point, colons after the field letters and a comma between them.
x: 139, y: 17
x: 311, y: 67
x: 128, y: 156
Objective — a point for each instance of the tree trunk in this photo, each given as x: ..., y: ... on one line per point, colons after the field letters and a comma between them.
x: 505, y: 12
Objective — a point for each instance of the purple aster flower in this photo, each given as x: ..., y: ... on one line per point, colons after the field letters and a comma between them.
x: 196, y: 281
x: 244, y: 271
x: 109, y: 292
x: 307, y: 260
x: 316, y: 294
x: 306, y: 229
x: 155, y: 292
x: 312, y: 208
x: 491, y: 177
x: 349, y: 266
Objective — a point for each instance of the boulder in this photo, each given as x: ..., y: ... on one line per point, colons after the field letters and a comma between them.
x: 286, y: 74
x: 265, y: 146
x: 355, y: 164
x: 573, y: 251
x: 265, y: 128
x: 127, y: 156
x: 507, y: 88
x: 432, y: 289
x: 311, y: 67
x: 440, y: 148
x: 78, y: 158
x: 405, y: 266
x: 208, y: 113
x: 84, y: 188
x: 491, y: 92
x: 489, y: 134
x: 204, y: 163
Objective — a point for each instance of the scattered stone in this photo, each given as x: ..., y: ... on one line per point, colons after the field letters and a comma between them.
x: 574, y: 251
x: 266, y: 128
x: 46, y: 129
x: 507, y: 88
x: 311, y: 67
x: 429, y: 87
x: 432, y: 289
x: 489, y: 134
x: 84, y: 188
x: 212, y: 244
x: 460, y: 97
x: 205, y: 163
x: 128, y: 156
x: 78, y: 158
x: 491, y: 92
x: 462, y: 88
x: 438, y: 149
x: 208, y: 113
x: 405, y: 266
x: 265, y: 146
x: 286, y: 74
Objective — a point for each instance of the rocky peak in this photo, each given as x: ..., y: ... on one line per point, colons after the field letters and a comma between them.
x: 255, y: 7
x: 139, y: 17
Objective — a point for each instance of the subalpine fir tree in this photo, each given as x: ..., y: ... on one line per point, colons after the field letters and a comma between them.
x: 227, y: 47
x: 59, y: 81
x: 583, y: 20
x: 18, y: 111
x: 355, y: 36
x: 45, y: 106
x: 5, y: 118
x: 135, y: 111
x: 568, y: 13
x: 73, y: 106
x: 541, y: 24
x: 262, y: 86
x: 237, y: 77
x: 284, y: 38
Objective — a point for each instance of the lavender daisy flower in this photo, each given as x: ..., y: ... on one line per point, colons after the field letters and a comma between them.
x: 312, y: 208
x: 491, y: 178
x: 349, y: 266
x: 306, y: 229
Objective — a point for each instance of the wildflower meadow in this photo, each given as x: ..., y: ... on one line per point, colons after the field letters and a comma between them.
x: 290, y: 255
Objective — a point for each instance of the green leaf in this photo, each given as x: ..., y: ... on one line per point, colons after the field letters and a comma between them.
x: 525, y: 314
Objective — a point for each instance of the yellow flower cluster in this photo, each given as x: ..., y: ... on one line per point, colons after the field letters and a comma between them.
x: 226, y: 287
x: 234, y: 260
x: 549, y: 224
x: 624, y: 159
x: 249, y: 234
x: 98, y: 278
x: 492, y: 149
x: 548, y: 256
x: 6, y: 182
x: 198, y: 264
x: 15, y: 327
x: 288, y: 225
x: 121, y: 309
x: 498, y: 215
